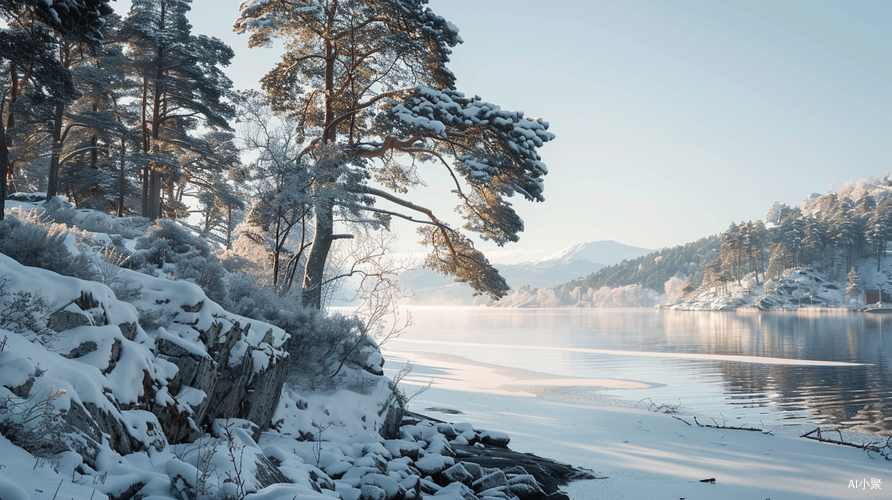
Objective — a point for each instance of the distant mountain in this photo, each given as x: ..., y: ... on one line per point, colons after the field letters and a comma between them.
x: 651, y: 270
x: 571, y: 263
x: 829, y: 251
x: 606, y: 253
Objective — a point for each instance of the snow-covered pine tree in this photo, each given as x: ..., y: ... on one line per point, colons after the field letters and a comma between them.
x: 29, y: 45
x: 879, y: 228
x: 853, y: 284
x: 367, y: 82
x: 99, y: 135
x: 182, y: 88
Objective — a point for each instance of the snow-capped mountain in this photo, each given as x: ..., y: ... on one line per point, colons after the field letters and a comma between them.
x: 606, y: 253
x: 571, y: 263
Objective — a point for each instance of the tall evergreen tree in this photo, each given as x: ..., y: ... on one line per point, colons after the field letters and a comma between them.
x: 879, y: 228
x: 29, y: 48
x: 182, y: 86
x: 368, y: 84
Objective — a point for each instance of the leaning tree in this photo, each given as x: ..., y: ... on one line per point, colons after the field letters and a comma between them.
x: 367, y: 83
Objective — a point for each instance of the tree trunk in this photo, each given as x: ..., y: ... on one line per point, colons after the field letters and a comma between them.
x: 314, y: 272
x: 144, y: 203
x: 121, y: 180
x: 277, y: 247
x: 153, y: 203
x: 53, y: 179
x: 4, y: 165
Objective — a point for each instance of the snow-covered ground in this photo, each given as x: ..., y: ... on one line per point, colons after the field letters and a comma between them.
x: 801, y: 288
x: 90, y: 390
x: 132, y: 387
x: 640, y: 453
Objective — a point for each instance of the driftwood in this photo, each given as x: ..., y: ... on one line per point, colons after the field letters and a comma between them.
x: 725, y: 426
x: 882, y: 447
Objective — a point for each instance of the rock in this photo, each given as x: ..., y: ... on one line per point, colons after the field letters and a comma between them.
x: 371, y: 492
x: 433, y: 464
x: 456, y: 474
x: 68, y: 318
x: 456, y: 491
x: 82, y: 350
x: 233, y: 390
x: 392, y: 489
x: 128, y: 330
x: 495, y: 438
x: 549, y: 474
x: 500, y: 492
x: 474, y: 469
x: 117, y: 350
x: 267, y: 473
x: 182, y: 477
x: 446, y: 430
x: 119, y: 437
x: 263, y: 392
x: 193, y: 309
x: 390, y: 428
x: 525, y: 489
x: 490, y: 481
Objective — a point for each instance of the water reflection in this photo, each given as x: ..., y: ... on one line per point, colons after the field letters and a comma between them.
x: 860, y: 396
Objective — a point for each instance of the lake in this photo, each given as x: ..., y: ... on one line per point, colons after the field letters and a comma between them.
x: 767, y: 369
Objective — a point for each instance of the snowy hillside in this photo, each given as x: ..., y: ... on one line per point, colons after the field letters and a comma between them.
x: 801, y: 288
x: 119, y: 383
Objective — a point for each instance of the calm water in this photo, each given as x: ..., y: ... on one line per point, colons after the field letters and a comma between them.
x: 742, y: 392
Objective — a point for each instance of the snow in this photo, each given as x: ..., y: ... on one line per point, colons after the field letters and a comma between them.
x: 646, y: 455
x: 327, y: 439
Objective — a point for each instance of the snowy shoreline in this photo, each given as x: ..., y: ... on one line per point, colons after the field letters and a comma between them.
x: 645, y: 454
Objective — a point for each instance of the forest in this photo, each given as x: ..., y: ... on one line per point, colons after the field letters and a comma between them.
x: 842, y: 234
x: 134, y: 115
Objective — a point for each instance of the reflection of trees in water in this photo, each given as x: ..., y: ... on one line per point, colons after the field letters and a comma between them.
x: 849, y: 395
x: 861, y: 394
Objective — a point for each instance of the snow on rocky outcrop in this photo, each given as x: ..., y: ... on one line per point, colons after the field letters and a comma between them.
x: 150, y: 389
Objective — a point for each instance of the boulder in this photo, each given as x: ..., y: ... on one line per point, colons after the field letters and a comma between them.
x: 490, y: 481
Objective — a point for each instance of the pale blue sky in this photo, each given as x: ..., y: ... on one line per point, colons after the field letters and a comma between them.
x: 673, y: 119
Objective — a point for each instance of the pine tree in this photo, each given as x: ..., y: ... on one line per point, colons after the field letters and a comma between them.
x: 367, y: 82
x: 181, y: 88
x: 853, y: 285
x: 879, y: 228
x: 29, y: 47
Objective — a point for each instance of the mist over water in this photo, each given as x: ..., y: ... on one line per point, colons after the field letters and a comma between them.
x: 755, y: 368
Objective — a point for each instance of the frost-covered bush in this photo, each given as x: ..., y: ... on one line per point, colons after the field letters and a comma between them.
x: 326, y: 345
x: 319, y: 343
x: 106, y: 269
x: 169, y: 249
x: 32, y: 241
x: 250, y: 254
x: 62, y: 212
x: 24, y: 312
x: 35, y: 423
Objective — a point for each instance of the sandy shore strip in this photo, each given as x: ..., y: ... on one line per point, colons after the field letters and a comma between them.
x: 643, y: 455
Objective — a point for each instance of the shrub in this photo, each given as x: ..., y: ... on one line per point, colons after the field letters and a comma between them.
x: 170, y: 249
x: 38, y: 243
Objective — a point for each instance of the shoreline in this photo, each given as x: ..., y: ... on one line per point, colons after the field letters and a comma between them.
x: 643, y: 454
